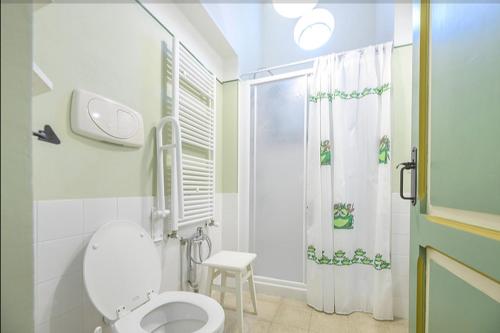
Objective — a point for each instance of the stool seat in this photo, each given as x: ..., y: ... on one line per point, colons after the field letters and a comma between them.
x: 237, y: 265
x: 230, y: 260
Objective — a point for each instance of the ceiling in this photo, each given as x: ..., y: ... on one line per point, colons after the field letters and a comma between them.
x: 262, y: 38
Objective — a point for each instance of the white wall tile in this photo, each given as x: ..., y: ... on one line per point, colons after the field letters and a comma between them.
x: 35, y: 237
x: 71, y: 321
x: 400, y: 244
x: 230, y: 218
x: 399, y: 205
x: 91, y: 317
x: 400, y: 239
x: 171, y: 257
x: 35, y: 222
x: 59, y: 219
x: 67, y: 226
x: 401, y: 223
x: 136, y: 209
x: 58, y: 296
x: 98, y: 212
x: 58, y: 257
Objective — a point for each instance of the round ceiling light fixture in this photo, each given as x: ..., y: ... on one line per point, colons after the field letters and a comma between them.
x: 293, y: 9
x: 314, y: 29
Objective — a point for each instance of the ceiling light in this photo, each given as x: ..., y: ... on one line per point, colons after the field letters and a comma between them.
x: 293, y: 9
x: 314, y: 29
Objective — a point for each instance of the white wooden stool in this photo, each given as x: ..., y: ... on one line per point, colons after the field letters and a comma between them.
x: 232, y: 264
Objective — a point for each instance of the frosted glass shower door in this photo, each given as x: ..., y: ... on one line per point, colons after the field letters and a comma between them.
x: 277, y: 200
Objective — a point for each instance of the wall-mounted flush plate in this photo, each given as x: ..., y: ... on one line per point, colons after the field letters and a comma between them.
x: 103, y: 119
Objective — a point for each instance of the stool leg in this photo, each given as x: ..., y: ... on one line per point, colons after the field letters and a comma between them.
x: 210, y: 277
x: 223, y: 280
x: 239, y: 300
x: 251, y: 286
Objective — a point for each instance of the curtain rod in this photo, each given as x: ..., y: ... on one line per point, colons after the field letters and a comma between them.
x: 296, y: 63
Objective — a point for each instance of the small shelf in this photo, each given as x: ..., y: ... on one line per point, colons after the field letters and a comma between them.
x: 40, y: 83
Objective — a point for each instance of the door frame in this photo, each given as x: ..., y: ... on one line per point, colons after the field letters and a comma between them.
x: 245, y: 164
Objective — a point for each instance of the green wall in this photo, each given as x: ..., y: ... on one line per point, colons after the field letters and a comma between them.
x: 16, y: 223
x: 219, y: 139
x: 113, y: 50
x: 77, y: 47
x: 401, y: 112
x: 227, y: 147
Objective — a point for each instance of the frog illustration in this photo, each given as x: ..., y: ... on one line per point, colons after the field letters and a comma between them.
x: 311, y: 252
x: 358, y: 256
x: 339, y: 254
x: 366, y: 261
x: 325, y: 152
x: 324, y: 260
x: 383, y: 150
x: 342, y: 216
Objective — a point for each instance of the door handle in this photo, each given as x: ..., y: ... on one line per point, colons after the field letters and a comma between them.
x: 412, y: 165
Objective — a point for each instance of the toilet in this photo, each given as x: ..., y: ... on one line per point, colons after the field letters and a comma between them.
x: 122, y: 276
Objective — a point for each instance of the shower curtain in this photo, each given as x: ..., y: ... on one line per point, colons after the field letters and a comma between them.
x: 349, y: 183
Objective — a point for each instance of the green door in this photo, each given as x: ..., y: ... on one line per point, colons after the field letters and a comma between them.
x: 455, y: 224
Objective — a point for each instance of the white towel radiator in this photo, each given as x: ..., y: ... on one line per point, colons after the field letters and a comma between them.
x: 196, y: 114
x: 193, y: 146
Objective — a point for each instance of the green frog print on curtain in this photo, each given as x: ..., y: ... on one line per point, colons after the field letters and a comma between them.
x: 325, y: 153
x: 383, y: 150
x: 343, y: 217
x: 340, y: 258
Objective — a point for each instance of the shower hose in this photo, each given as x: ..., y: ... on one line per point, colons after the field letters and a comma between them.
x: 195, y: 256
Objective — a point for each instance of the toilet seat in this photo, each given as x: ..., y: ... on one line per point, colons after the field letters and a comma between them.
x: 121, y: 268
x: 215, y: 315
x: 122, y: 275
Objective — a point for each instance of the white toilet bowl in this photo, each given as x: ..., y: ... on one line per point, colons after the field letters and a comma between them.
x: 122, y: 275
x: 177, y: 311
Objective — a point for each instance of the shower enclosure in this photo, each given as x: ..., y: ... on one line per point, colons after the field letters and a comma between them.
x: 277, y: 154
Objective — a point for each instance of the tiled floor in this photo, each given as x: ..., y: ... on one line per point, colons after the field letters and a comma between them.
x: 278, y: 315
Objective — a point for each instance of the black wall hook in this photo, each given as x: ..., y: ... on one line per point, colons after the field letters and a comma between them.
x: 47, y: 135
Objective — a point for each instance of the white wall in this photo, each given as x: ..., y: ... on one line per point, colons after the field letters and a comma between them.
x: 263, y: 38
x: 242, y: 26
x: 356, y: 25
x: 400, y: 262
x: 194, y: 28
x: 403, y: 26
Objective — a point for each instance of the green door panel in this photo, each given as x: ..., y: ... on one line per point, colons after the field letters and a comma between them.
x: 457, y: 130
x: 456, y: 306
x: 465, y: 107
x: 475, y: 251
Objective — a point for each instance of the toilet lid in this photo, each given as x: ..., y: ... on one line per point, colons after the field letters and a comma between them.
x: 121, y: 266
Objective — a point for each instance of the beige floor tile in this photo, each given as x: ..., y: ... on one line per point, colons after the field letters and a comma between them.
x: 296, y: 303
x: 250, y: 325
x: 279, y: 328
x: 230, y: 302
x: 267, y: 298
x: 265, y: 310
x: 325, y: 323
x: 360, y: 322
x: 293, y: 315
x: 398, y: 326
x: 257, y: 326
x: 230, y: 321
